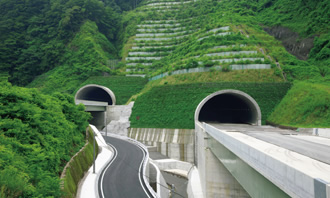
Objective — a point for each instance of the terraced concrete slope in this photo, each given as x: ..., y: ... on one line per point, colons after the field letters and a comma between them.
x: 179, y: 45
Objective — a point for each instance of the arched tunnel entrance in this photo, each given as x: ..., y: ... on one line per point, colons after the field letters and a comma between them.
x: 229, y: 106
x: 96, y: 98
x: 96, y: 93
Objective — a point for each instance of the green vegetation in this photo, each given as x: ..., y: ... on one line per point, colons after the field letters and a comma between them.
x: 87, y: 56
x: 173, y: 106
x: 36, y: 36
x: 246, y: 17
x: 305, y: 105
x: 56, y: 46
x: 78, y: 166
x: 38, y: 134
x: 123, y: 87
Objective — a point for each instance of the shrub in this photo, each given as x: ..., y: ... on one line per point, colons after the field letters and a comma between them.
x: 38, y: 134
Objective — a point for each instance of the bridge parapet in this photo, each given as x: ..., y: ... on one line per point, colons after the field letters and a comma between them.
x: 293, y: 173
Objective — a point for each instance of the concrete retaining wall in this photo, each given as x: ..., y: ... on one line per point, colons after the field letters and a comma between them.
x: 219, y: 34
x: 158, y: 25
x: 118, y: 119
x: 151, y: 47
x: 160, y: 29
x: 250, y: 66
x: 140, y: 53
x: 143, y: 58
x: 174, y: 143
x: 226, y: 28
x: 231, y: 53
x: 160, y: 34
x: 229, y: 60
x: 185, y: 71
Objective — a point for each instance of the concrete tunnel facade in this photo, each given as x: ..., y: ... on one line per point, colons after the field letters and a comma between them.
x: 93, y: 92
x: 96, y: 93
x: 229, y: 106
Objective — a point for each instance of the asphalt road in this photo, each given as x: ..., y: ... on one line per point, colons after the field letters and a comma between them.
x: 313, y: 150
x: 121, y: 178
x: 291, y: 140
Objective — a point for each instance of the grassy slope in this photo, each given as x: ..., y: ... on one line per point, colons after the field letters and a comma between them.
x: 86, y: 55
x: 173, y: 106
x: 123, y: 87
x: 305, y: 105
x: 316, y: 68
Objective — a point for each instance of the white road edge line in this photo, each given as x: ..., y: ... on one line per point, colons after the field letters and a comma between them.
x: 144, y: 150
x: 112, y: 160
x: 141, y: 164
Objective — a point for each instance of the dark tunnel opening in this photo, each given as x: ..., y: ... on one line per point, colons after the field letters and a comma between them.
x: 228, y: 108
x: 97, y: 119
x: 95, y: 94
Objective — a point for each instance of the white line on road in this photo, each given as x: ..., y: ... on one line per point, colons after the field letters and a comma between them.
x: 112, y: 160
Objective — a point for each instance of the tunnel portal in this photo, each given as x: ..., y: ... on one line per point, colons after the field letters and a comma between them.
x: 96, y: 98
x: 96, y: 93
x: 229, y: 106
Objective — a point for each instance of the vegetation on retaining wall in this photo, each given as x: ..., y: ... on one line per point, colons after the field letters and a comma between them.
x: 173, y: 106
x: 305, y: 105
x: 78, y: 165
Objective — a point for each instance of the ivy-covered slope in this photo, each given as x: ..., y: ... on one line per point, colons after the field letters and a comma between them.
x: 38, y: 135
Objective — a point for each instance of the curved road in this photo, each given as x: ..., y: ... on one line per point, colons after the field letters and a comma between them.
x: 121, y: 177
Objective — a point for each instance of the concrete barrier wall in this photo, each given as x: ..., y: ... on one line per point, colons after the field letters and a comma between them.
x: 194, y: 188
x: 322, y: 132
x: 174, y: 143
x: 166, y: 164
x: 215, y: 179
x: 157, y: 177
x: 283, y: 169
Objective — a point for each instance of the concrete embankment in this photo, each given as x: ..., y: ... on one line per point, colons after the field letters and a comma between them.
x: 174, y: 143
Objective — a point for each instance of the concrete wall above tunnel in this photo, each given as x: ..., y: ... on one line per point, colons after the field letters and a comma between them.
x: 229, y: 106
x: 93, y: 92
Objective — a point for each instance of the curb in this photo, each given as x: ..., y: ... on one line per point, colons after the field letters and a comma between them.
x: 88, y: 186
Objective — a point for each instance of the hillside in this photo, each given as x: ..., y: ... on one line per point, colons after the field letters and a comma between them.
x: 276, y: 51
x: 38, y: 136
x: 168, y: 36
x: 38, y: 36
x: 173, y: 106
